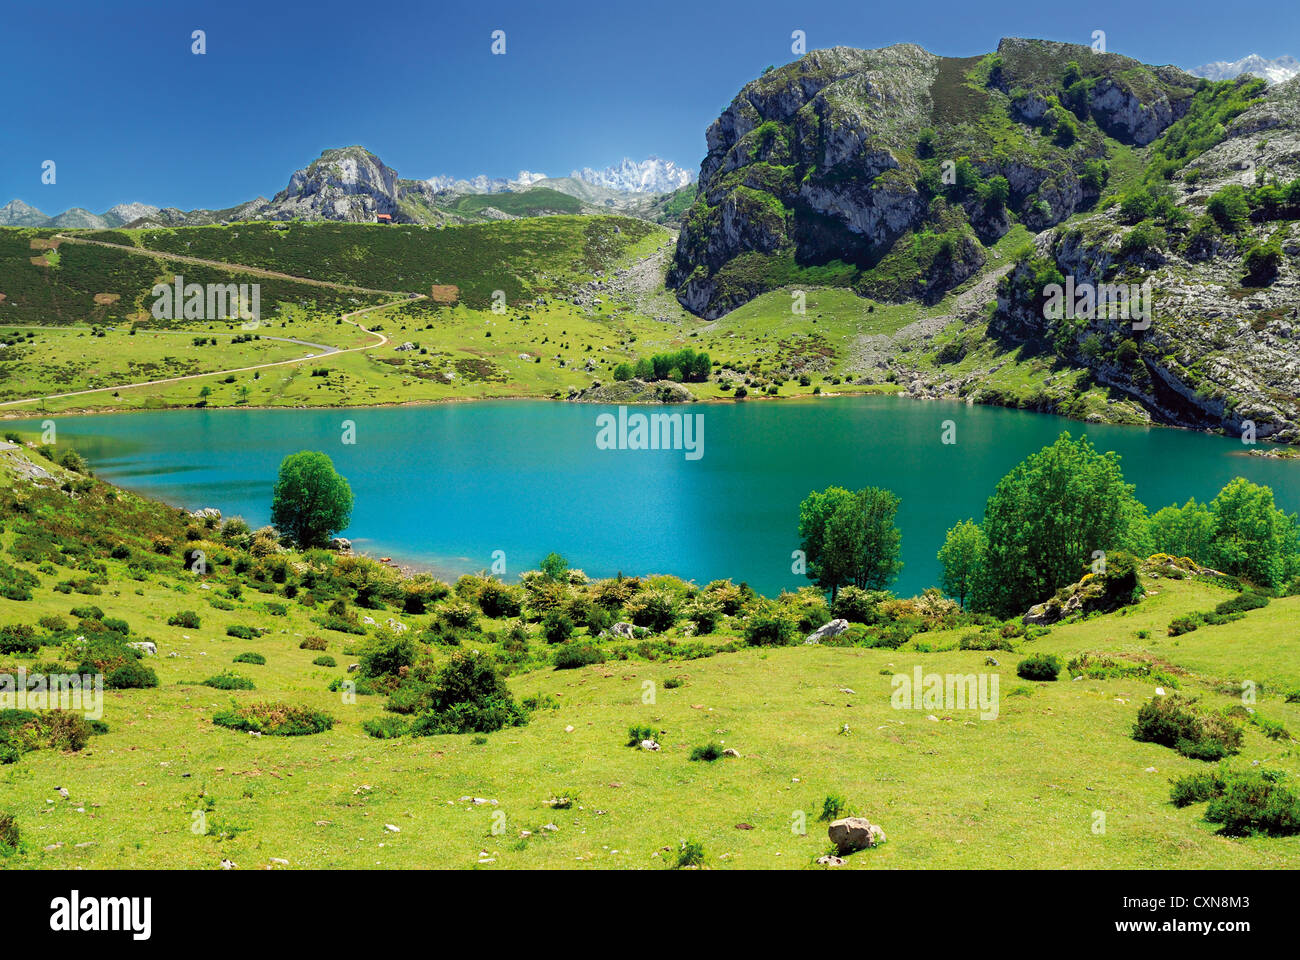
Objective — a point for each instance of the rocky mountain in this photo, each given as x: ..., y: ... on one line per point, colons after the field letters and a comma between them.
x: 78, y: 218
x: 124, y: 213
x: 653, y: 175
x: 894, y: 172
x: 352, y: 184
x: 1274, y: 71
x: 15, y: 213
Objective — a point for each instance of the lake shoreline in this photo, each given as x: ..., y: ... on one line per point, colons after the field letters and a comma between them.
x: 1285, y: 451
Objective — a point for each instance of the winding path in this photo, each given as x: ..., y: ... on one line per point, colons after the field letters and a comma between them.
x: 239, y: 268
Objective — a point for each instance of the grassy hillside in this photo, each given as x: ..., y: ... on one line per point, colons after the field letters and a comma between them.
x: 525, y: 259
x: 809, y: 722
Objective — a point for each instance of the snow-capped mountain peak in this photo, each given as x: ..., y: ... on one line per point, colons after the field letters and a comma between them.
x: 653, y: 175
x: 1274, y: 71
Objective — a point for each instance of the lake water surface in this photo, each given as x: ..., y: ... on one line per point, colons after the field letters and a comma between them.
x: 444, y: 486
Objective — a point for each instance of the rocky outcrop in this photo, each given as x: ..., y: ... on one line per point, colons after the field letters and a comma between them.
x: 350, y: 183
x: 634, y: 391
x: 845, y: 155
x: 851, y: 834
x: 826, y: 631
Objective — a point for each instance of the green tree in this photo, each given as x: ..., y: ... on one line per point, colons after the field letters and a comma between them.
x: 1048, y: 516
x: 850, y: 538
x: 1186, y: 531
x: 962, y: 556
x: 311, y: 502
x: 555, y: 567
x: 1252, y: 538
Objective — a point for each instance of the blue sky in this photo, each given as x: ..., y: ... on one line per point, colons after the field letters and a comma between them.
x: 112, y: 93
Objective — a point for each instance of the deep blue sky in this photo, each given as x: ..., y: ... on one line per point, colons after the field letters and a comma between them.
x: 112, y: 94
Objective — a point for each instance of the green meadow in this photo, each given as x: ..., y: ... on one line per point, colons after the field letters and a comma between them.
x: 1055, y: 780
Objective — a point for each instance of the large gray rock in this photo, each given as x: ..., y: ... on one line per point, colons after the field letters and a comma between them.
x: 827, y: 630
x: 855, y: 833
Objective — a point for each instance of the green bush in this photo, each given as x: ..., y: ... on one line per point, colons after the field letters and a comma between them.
x: 185, y: 618
x: 386, y: 727
x: 19, y: 638
x: 313, y: 643
x: 556, y: 626
x: 689, y: 854
x: 834, y: 807
x: 768, y: 626
x: 707, y: 753
x: 132, y: 675
x: 1040, y: 666
x: 573, y: 655
x: 256, y: 658
x: 1174, y: 721
x: 325, y: 661
x: 275, y: 719
x: 497, y: 599
x: 468, y: 695
x: 386, y: 655
x: 229, y: 681
x: 241, y: 632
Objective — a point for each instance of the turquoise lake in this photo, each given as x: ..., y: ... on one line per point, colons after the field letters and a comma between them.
x: 444, y: 486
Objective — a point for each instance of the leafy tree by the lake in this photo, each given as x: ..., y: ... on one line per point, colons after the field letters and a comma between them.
x: 555, y: 567
x: 963, y: 556
x: 1046, y: 519
x: 850, y: 539
x: 311, y: 502
x: 1186, y: 531
x: 1252, y: 538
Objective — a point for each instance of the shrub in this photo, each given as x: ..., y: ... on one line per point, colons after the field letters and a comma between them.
x: 9, y: 834
x: 556, y: 626
x: 689, y: 854
x: 184, y: 618
x: 256, y: 658
x: 468, y: 695
x: 573, y: 655
x: 636, y: 735
x: 857, y: 605
x: 1256, y: 802
x: 132, y: 675
x: 768, y: 626
x: 87, y: 613
x: 707, y: 753
x: 313, y: 643
x: 458, y: 615
x: 387, y: 654
x: 1040, y: 666
x: 1174, y: 721
x: 19, y: 638
x: 275, y: 719
x: 653, y: 609
x: 229, y: 681
x: 704, y: 611
x: 834, y: 807
x: 386, y: 727
x: 325, y: 661
x: 242, y: 632
x: 497, y: 599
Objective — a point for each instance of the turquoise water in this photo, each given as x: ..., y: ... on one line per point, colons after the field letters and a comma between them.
x: 445, y: 486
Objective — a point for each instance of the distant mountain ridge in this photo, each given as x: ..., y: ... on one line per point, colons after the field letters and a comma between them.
x: 351, y: 183
x: 1274, y: 71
